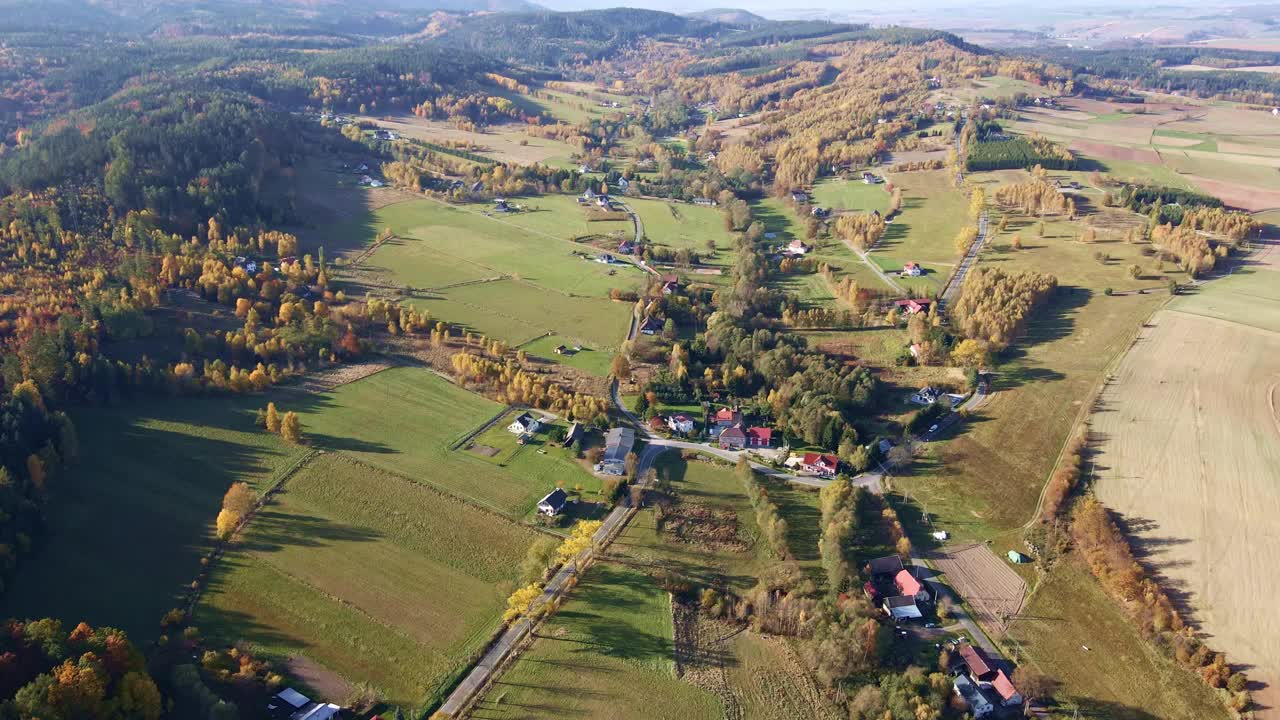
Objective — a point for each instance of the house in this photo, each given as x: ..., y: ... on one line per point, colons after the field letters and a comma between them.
x: 926, y: 396
x: 913, y: 305
x: 606, y: 259
x: 911, y: 270
x: 909, y: 586
x: 320, y: 711
x: 870, y: 178
x: 626, y: 247
x: 799, y: 196
x: 915, y: 350
x: 500, y: 205
x: 651, y: 326
x: 902, y: 608
x: 681, y: 423
x: 759, y: 437
x: 477, y: 186
x: 733, y: 438
x: 287, y: 702
x: 819, y: 212
x: 976, y: 660
x: 889, y: 565
x: 796, y: 248
x: 726, y: 417
x: 822, y: 466
x: 972, y: 695
x: 1009, y: 694
x: 574, y: 434
x: 526, y: 423
x: 617, y: 443
x: 623, y: 183
x: 553, y: 504
x: 561, y: 350
x: 705, y: 202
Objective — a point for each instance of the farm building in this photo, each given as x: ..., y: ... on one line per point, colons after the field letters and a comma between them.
x: 911, y: 269
x: 912, y: 306
x: 971, y: 694
x: 704, y: 202
x: 1003, y: 687
x: 902, y: 608
x: 822, y: 466
x: 617, y: 443
x: 291, y: 704
x: 561, y: 350
x: 651, y: 326
x: 909, y: 586
x: 799, y: 196
x: 889, y: 566
x: 526, y: 423
x: 926, y: 396
x: 554, y: 502
x: 1018, y: 558
x: 726, y: 417
x: 979, y: 666
x: 796, y: 248
x: 870, y: 178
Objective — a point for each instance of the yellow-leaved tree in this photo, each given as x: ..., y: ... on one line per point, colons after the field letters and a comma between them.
x: 580, y: 539
x: 520, y: 601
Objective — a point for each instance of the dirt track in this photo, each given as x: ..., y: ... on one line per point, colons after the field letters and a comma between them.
x: 1189, y: 455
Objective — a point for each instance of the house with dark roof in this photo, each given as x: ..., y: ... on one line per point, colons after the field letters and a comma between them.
x: 525, y: 423
x: 979, y: 665
x: 617, y: 444
x: 554, y: 502
x: 651, y: 326
x: 733, y: 438
x: 888, y: 565
x: 799, y: 196
x: 973, y: 696
x: 902, y: 608
x: 911, y: 306
x: 574, y: 434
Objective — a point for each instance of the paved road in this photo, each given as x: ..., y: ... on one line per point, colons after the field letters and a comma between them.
x: 956, y: 282
x: 502, y: 648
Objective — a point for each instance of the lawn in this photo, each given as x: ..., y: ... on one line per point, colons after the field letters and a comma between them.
x: 933, y: 212
x: 1119, y: 676
x: 134, y: 517
x: 406, y: 419
x: 682, y: 225
x: 850, y: 194
x: 607, y: 652
x: 590, y: 359
x: 368, y: 575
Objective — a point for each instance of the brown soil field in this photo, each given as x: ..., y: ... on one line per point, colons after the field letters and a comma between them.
x: 1240, y: 148
x: 501, y: 142
x: 734, y: 128
x: 328, y: 684
x: 1225, y: 120
x: 1174, y: 141
x: 1045, y: 128
x: 1068, y: 115
x: 987, y: 582
x: 1245, y: 197
x: 1115, y: 152
x: 1137, y: 133
x: 1262, y: 44
x: 1208, y: 68
x: 1188, y: 454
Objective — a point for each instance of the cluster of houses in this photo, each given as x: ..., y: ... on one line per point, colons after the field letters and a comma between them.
x: 289, y: 704
x: 731, y: 433
x: 982, y: 685
x: 600, y: 200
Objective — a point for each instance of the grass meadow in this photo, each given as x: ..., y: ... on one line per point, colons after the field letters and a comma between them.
x: 933, y: 212
x: 135, y: 515
x: 606, y: 653
x: 404, y: 420
x: 850, y: 194
x: 590, y: 359
x: 371, y: 576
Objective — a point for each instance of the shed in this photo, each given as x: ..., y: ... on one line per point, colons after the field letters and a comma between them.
x: 1018, y: 558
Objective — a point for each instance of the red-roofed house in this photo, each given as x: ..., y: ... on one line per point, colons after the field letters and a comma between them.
x: 909, y: 586
x: 1009, y: 694
x: 726, y: 417
x: 657, y: 423
x: 976, y: 660
x: 759, y: 437
x: 913, y: 306
x: 911, y: 270
x: 819, y: 464
x: 680, y: 423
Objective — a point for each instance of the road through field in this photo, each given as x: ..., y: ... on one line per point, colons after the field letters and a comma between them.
x: 1189, y: 456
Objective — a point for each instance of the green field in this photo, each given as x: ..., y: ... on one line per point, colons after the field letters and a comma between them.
x: 682, y: 225
x: 711, y: 485
x: 606, y: 653
x: 405, y: 419
x: 589, y: 359
x: 933, y: 212
x: 548, y: 288
x: 1119, y: 677
x: 1249, y: 297
x: 781, y: 221
x: 134, y: 517
x: 850, y: 194
x: 368, y: 575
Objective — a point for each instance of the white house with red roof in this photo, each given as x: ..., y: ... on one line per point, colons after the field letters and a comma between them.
x: 911, y: 270
x: 820, y: 464
x: 796, y: 248
x: 909, y: 586
x: 680, y: 423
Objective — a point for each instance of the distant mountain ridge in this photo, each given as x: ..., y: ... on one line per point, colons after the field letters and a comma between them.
x: 734, y: 17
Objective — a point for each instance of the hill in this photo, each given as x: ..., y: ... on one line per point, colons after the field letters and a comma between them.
x: 729, y: 16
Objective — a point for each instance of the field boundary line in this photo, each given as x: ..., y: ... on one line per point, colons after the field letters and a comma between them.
x: 459, y: 497
x: 471, y: 434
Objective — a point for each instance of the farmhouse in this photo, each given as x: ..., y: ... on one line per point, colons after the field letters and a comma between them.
x: 902, y: 607
x: 574, y: 434
x: 911, y: 270
x: 561, y: 350
x: 819, y: 212
x: 927, y: 395
x: 979, y: 666
x: 870, y: 178
x: 822, y: 466
x: 1009, y: 694
x: 651, y: 326
x: 680, y: 423
x: 796, y: 248
x: 799, y: 196
x: 617, y: 443
x: 888, y: 565
x: 526, y: 423
x: 291, y: 704
x: 606, y: 259
x: 914, y: 305
x: 738, y: 437
x: 909, y: 586
x: 726, y: 418
x: 704, y: 202
x: 554, y: 502
x: 972, y: 695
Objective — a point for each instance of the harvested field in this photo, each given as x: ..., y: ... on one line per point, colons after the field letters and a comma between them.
x: 1241, y: 148
x: 1045, y: 128
x: 1245, y: 197
x: 1188, y: 453
x: 1210, y: 68
x: 325, y: 682
x: 1138, y: 133
x: 502, y: 143
x: 1115, y: 152
x: 1174, y: 141
x: 987, y: 582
